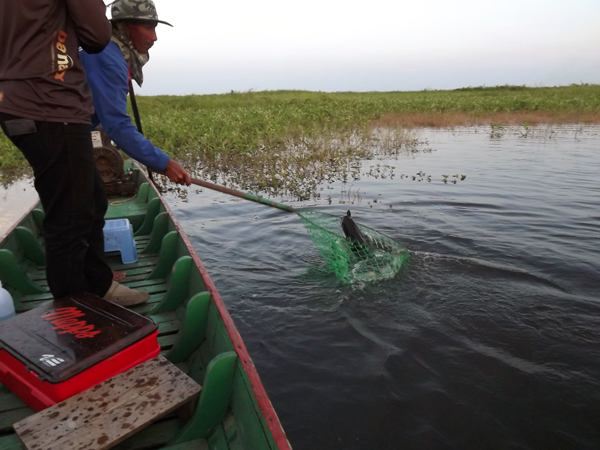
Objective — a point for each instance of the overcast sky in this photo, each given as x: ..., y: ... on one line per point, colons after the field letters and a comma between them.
x: 376, y: 45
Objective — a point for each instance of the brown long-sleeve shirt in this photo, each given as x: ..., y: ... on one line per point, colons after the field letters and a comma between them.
x: 41, y: 76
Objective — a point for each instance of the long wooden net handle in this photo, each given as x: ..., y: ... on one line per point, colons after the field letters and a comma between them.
x: 244, y: 195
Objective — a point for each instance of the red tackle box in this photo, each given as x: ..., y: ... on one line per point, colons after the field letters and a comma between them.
x: 66, y: 346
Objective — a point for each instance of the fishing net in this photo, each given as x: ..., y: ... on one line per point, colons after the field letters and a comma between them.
x: 379, y: 258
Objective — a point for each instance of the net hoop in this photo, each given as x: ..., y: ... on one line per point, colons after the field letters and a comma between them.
x: 380, y: 258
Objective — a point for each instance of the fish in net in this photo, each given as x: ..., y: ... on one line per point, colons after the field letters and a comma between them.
x: 352, y: 251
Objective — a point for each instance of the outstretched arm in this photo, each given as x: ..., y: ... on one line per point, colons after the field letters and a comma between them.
x: 108, y: 79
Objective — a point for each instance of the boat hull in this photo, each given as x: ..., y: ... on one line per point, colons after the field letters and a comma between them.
x: 196, y: 331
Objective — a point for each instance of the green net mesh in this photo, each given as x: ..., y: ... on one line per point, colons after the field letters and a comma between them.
x: 379, y: 259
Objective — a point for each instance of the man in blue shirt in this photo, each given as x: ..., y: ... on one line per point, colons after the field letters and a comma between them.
x: 108, y: 74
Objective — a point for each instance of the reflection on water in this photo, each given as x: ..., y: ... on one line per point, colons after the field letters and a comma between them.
x: 15, y: 201
x: 488, y: 338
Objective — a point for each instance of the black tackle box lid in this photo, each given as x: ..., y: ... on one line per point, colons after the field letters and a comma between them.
x: 82, y: 330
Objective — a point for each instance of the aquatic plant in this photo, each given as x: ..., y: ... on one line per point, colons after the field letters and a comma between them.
x: 497, y: 130
x: 289, y: 141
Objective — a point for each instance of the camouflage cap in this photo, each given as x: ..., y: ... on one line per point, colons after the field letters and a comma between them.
x: 135, y: 10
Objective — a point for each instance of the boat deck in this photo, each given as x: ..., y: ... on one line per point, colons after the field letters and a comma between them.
x: 12, y: 409
x: 196, y: 332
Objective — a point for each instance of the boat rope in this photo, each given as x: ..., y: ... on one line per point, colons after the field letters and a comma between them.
x: 120, y: 202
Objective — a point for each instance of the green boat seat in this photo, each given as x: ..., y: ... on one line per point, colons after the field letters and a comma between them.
x: 214, y: 399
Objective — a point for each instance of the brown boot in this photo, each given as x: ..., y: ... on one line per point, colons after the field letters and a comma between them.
x: 124, y: 296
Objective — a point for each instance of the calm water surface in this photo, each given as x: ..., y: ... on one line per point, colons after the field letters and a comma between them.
x: 488, y: 338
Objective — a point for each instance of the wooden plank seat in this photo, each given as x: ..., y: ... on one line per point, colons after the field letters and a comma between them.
x: 214, y: 373
x: 172, y: 430
x: 113, y: 410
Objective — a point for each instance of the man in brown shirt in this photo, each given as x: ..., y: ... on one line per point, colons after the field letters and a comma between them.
x: 45, y: 110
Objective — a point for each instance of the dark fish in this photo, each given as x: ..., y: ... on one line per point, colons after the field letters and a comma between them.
x: 351, y: 230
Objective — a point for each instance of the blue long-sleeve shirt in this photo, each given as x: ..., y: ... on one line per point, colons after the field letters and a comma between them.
x: 107, y: 74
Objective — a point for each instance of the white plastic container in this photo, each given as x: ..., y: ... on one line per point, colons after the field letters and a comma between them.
x: 7, y: 307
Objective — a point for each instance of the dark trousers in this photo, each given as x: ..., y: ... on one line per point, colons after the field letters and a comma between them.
x: 72, y: 194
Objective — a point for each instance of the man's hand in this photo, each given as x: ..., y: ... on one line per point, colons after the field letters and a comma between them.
x: 177, y: 173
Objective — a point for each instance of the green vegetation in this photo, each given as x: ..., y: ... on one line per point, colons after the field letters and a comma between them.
x: 256, y: 140
x: 12, y: 162
x: 241, y: 122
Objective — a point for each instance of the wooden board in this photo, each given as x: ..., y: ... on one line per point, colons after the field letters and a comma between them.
x: 108, y: 413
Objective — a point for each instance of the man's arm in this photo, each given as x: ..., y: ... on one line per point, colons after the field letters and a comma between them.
x: 91, y: 25
x: 109, y: 91
x: 108, y: 83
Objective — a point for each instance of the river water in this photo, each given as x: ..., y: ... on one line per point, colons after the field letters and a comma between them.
x: 488, y: 338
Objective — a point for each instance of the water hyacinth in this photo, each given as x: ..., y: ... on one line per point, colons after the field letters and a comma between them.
x: 269, y: 141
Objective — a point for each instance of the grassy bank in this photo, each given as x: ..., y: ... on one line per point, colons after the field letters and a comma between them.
x: 245, y: 121
x: 264, y: 136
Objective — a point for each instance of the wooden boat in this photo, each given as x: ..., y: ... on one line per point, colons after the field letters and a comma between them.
x: 196, y: 332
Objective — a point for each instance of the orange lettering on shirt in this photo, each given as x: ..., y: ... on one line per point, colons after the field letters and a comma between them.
x: 62, y: 36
